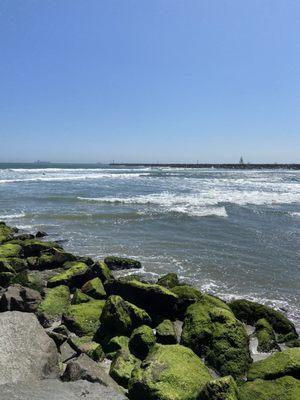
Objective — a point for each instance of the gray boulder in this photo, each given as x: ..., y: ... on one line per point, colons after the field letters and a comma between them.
x: 52, y: 389
x: 26, y: 351
x: 20, y: 298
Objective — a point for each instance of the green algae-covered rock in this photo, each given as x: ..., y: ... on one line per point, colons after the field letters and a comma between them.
x: 141, y: 341
x: 76, y: 275
x: 83, y: 319
x: 214, y: 333
x: 220, y: 389
x: 170, y: 372
x: 117, y: 263
x: 293, y: 343
x: 53, y: 259
x: 120, y: 317
x: 102, y: 271
x: 165, y: 332
x: 277, y: 365
x: 114, y: 344
x: 80, y: 297
x: 122, y: 366
x: 94, y: 288
x: 34, y: 248
x: 286, y: 388
x: 169, y: 280
x: 13, y: 264
x: 6, y: 278
x: 86, y: 345
x: 5, y: 266
x: 187, y: 295
x: 6, y: 232
x: 55, y: 303
x: 151, y: 297
x: 265, y: 336
x: 250, y: 312
x: 10, y: 250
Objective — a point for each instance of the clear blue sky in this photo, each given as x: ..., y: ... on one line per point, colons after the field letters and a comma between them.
x: 150, y: 80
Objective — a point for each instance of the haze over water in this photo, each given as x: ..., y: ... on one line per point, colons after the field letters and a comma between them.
x: 233, y: 233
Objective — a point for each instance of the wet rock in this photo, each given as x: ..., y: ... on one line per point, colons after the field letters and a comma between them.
x: 40, y: 234
x: 169, y: 280
x: 119, y: 263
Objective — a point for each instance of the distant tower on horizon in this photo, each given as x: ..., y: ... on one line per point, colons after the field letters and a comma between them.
x: 241, y: 160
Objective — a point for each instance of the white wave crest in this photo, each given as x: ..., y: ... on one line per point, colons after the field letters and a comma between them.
x: 12, y: 216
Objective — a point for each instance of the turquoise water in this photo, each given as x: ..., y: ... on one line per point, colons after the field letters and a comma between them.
x: 232, y: 233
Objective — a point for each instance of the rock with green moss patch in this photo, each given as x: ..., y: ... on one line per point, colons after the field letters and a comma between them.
x: 220, y: 389
x: 141, y: 341
x: 102, y: 271
x: 8, y: 250
x: 286, y: 388
x: 214, y: 333
x: 187, y: 295
x: 5, y: 266
x: 6, y: 278
x: 293, y: 343
x: 113, y: 345
x: 165, y: 332
x: 117, y: 263
x: 13, y: 264
x: 75, y: 276
x: 54, y: 259
x: 122, y: 366
x: 34, y: 248
x: 153, y: 298
x: 55, y: 303
x: 80, y: 297
x: 169, y: 372
x: 277, y: 365
x: 6, y: 232
x: 250, y: 312
x: 83, y: 319
x: 86, y: 345
x: 169, y: 280
x: 265, y: 336
x: 94, y: 288
x: 119, y: 317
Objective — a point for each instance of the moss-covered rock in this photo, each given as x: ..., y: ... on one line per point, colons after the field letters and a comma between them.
x: 13, y: 264
x: 214, y: 333
x: 277, y: 365
x: 187, y: 295
x: 151, y: 297
x: 102, y: 271
x: 165, y: 332
x: 54, y: 259
x: 80, y: 297
x: 117, y: 263
x: 265, y: 336
x: 122, y: 366
x: 250, y: 312
x: 169, y: 280
x: 94, y: 288
x: 6, y: 278
x: 55, y: 303
x: 286, y: 388
x: 169, y: 372
x: 113, y: 345
x: 293, y: 343
x: 86, y: 345
x: 83, y: 319
x: 119, y: 317
x: 5, y: 266
x: 75, y: 276
x: 10, y: 250
x: 34, y: 248
x: 220, y: 389
x: 141, y: 341
x: 6, y: 232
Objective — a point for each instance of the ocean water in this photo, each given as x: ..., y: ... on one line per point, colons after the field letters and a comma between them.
x: 232, y: 233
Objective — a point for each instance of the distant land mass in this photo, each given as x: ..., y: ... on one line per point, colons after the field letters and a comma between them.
x: 212, y: 165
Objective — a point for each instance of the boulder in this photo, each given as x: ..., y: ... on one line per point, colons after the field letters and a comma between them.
x: 265, y: 336
x: 76, y: 274
x: 122, y: 366
x: 55, y: 303
x: 169, y: 280
x: 40, y: 234
x: 8, y: 250
x: 213, y: 332
x: 277, y: 365
x: 83, y: 319
x: 220, y: 389
x: 169, y: 372
x: 13, y: 264
x: 80, y: 297
x: 151, y: 297
x: 6, y: 232
x: 114, y: 344
x: 53, y: 389
x: 67, y: 352
x: 102, y: 271
x: 250, y: 312
x: 119, y: 317
x: 286, y: 388
x: 85, y: 368
x: 141, y: 341
x: 19, y: 298
x: 26, y: 351
x: 119, y: 263
x: 94, y: 288
x: 55, y: 259
x: 165, y: 332
x: 34, y: 248
x: 86, y: 345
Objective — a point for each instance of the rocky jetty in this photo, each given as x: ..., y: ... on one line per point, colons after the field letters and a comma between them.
x: 69, y: 329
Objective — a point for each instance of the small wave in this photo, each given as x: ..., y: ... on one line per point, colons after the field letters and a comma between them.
x: 294, y: 214
x: 12, y: 216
